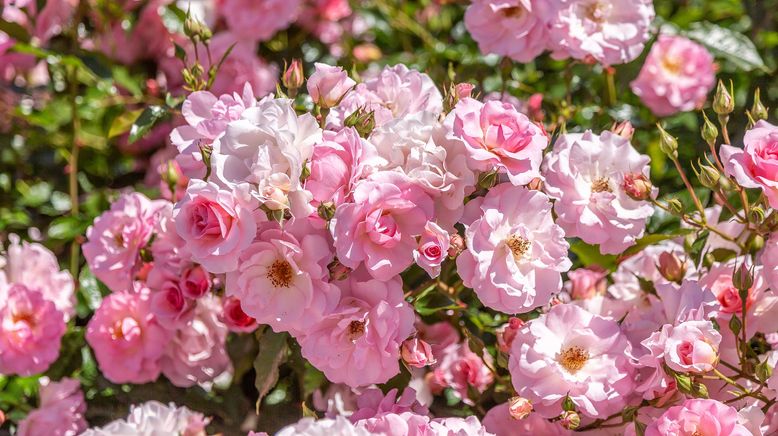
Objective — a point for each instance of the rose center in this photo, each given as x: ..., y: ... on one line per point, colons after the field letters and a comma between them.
x: 601, y: 184
x: 672, y: 65
x: 355, y: 330
x: 280, y: 274
x: 519, y: 245
x: 598, y: 11
x: 573, y: 359
x: 513, y: 12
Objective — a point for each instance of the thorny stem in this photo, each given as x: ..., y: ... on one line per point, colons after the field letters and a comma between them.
x: 689, y: 188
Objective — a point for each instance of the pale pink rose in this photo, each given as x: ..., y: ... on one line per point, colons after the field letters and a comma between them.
x: 126, y: 339
x: 455, y: 426
x: 242, y: 65
x: 398, y: 424
x: 569, y: 351
x: 756, y: 165
x: 439, y: 335
x: 677, y: 76
x: 498, y: 137
x: 695, y: 416
x: 514, y: 28
x: 258, y: 20
x: 31, y: 329
x: 116, y: 237
x: 169, y: 306
x: 587, y: 283
x: 644, y: 265
x: 359, y: 343
x: 282, y: 281
x: 35, y: 267
x: 609, y: 32
x: 719, y: 281
x: 197, y: 352
x: 323, y: 427
x: 499, y: 421
x: 328, y: 84
x: 769, y: 258
x: 417, y: 353
x: 585, y: 173
x: 515, y: 253
x: 235, y: 318
x: 395, y: 92
x: 217, y: 224
x: 338, y: 162
x: 432, y: 249
x: 461, y: 369
x: 155, y: 418
x: 531, y: 107
x: 337, y: 399
x: 372, y: 402
x: 692, y: 346
x: 60, y: 412
x: 380, y: 226
x: 507, y: 333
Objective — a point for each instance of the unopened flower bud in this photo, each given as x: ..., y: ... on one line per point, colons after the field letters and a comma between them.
x: 756, y: 214
x: 723, y: 104
x: 456, y: 245
x: 623, y: 129
x: 464, y: 90
x: 362, y: 120
x: 671, y: 267
x: 708, y: 176
x: 293, y: 77
x: 570, y: 420
x: 196, y: 30
x: 507, y: 333
x: 675, y: 206
x: 725, y: 184
x: 326, y: 210
x: 637, y: 186
x: 758, y: 110
x: 743, y: 278
x: 519, y: 407
x: 668, y: 144
x: 235, y: 318
x: 338, y: 271
x: 709, y: 132
x: 756, y: 244
x: 487, y: 180
x: 417, y: 353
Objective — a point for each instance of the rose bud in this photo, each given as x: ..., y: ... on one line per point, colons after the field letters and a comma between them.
x: 293, y: 77
x: 464, y: 90
x: 570, y: 420
x: 195, y: 282
x: 235, y: 318
x: 586, y: 283
x: 671, y: 267
x: 328, y: 84
x: 416, y: 353
x: 637, y: 186
x: 519, y: 408
x: 507, y: 332
x: 456, y: 245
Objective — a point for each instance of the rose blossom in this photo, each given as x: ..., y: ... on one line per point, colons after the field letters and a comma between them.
x: 235, y: 318
x: 417, y: 353
x: 457, y: 426
x: 372, y: 402
x: 380, y: 226
x: 439, y: 335
x: 515, y: 253
x: 195, y: 282
x: 461, y: 369
x: 677, y: 76
x: 756, y: 165
x: 395, y: 92
x: 514, y: 28
x: 155, y: 418
x: 31, y: 329
x: 696, y: 416
x: 586, y: 283
x: 323, y: 427
x: 610, y: 32
x: 691, y: 346
x: 338, y: 162
x: 60, y: 413
x: 115, y: 238
x: 258, y: 20
x: 569, y: 351
x: 359, y: 343
x: 126, y: 339
x: 35, y: 267
x: 585, y: 173
x: 328, y: 84
x: 433, y: 249
x: 197, y: 352
x: 169, y: 305
x: 280, y: 280
x: 507, y: 333
x: 719, y: 281
x: 498, y: 137
x: 217, y: 224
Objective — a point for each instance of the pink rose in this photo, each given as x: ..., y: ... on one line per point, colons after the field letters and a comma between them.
x: 692, y: 346
x: 169, y: 305
x: 571, y: 352
x: 756, y: 165
x: 281, y: 281
x: 515, y: 253
x: 235, y: 318
x: 507, y: 333
x: 439, y: 335
x: 359, y: 343
x: 372, y: 402
x: 116, y: 237
x: 338, y: 162
x: 417, y: 353
x: 461, y: 370
x: 197, y: 352
x: 195, y: 282
x: 498, y: 137
x: 328, y: 84
x: 609, y: 32
x: 719, y: 281
x: 217, y: 224
x: 380, y: 226
x: 325, y: 426
x: 586, y: 283
x: 677, y: 76
x: 585, y: 173
x: 258, y: 20
x: 155, y: 418
x: 432, y: 249
x: 514, y: 28
x: 127, y: 341
x: 31, y: 329
x: 694, y: 416
x: 60, y: 412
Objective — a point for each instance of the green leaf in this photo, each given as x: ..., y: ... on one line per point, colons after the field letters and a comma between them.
x: 735, y: 325
x: 647, y: 240
x: 567, y: 404
x: 272, y: 353
x: 123, y: 123
x: 590, y: 255
x: 640, y: 428
x: 728, y: 44
x: 66, y: 228
x: 90, y: 288
x: 14, y: 30
x: 147, y: 119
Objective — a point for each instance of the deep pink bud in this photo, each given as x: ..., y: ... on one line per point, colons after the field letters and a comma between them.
x: 235, y: 318
x: 519, y: 407
x: 507, y: 332
x: 637, y: 186
x: 195, y: 282
x: 417, y: 353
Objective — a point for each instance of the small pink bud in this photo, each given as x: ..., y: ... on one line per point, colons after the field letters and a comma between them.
x: 519, y: 407
x: 464, y: 90
x: 195, y: 282
x: 417, y: 353
x: 456, y: 245
x: 507, y: 333
x: 587, y: 283
x: 637, y: 186
x: 570, y: 420
x: 235, y: 318
x: 625, y: 129
x: 293, y: 76
x: 671, y: 267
